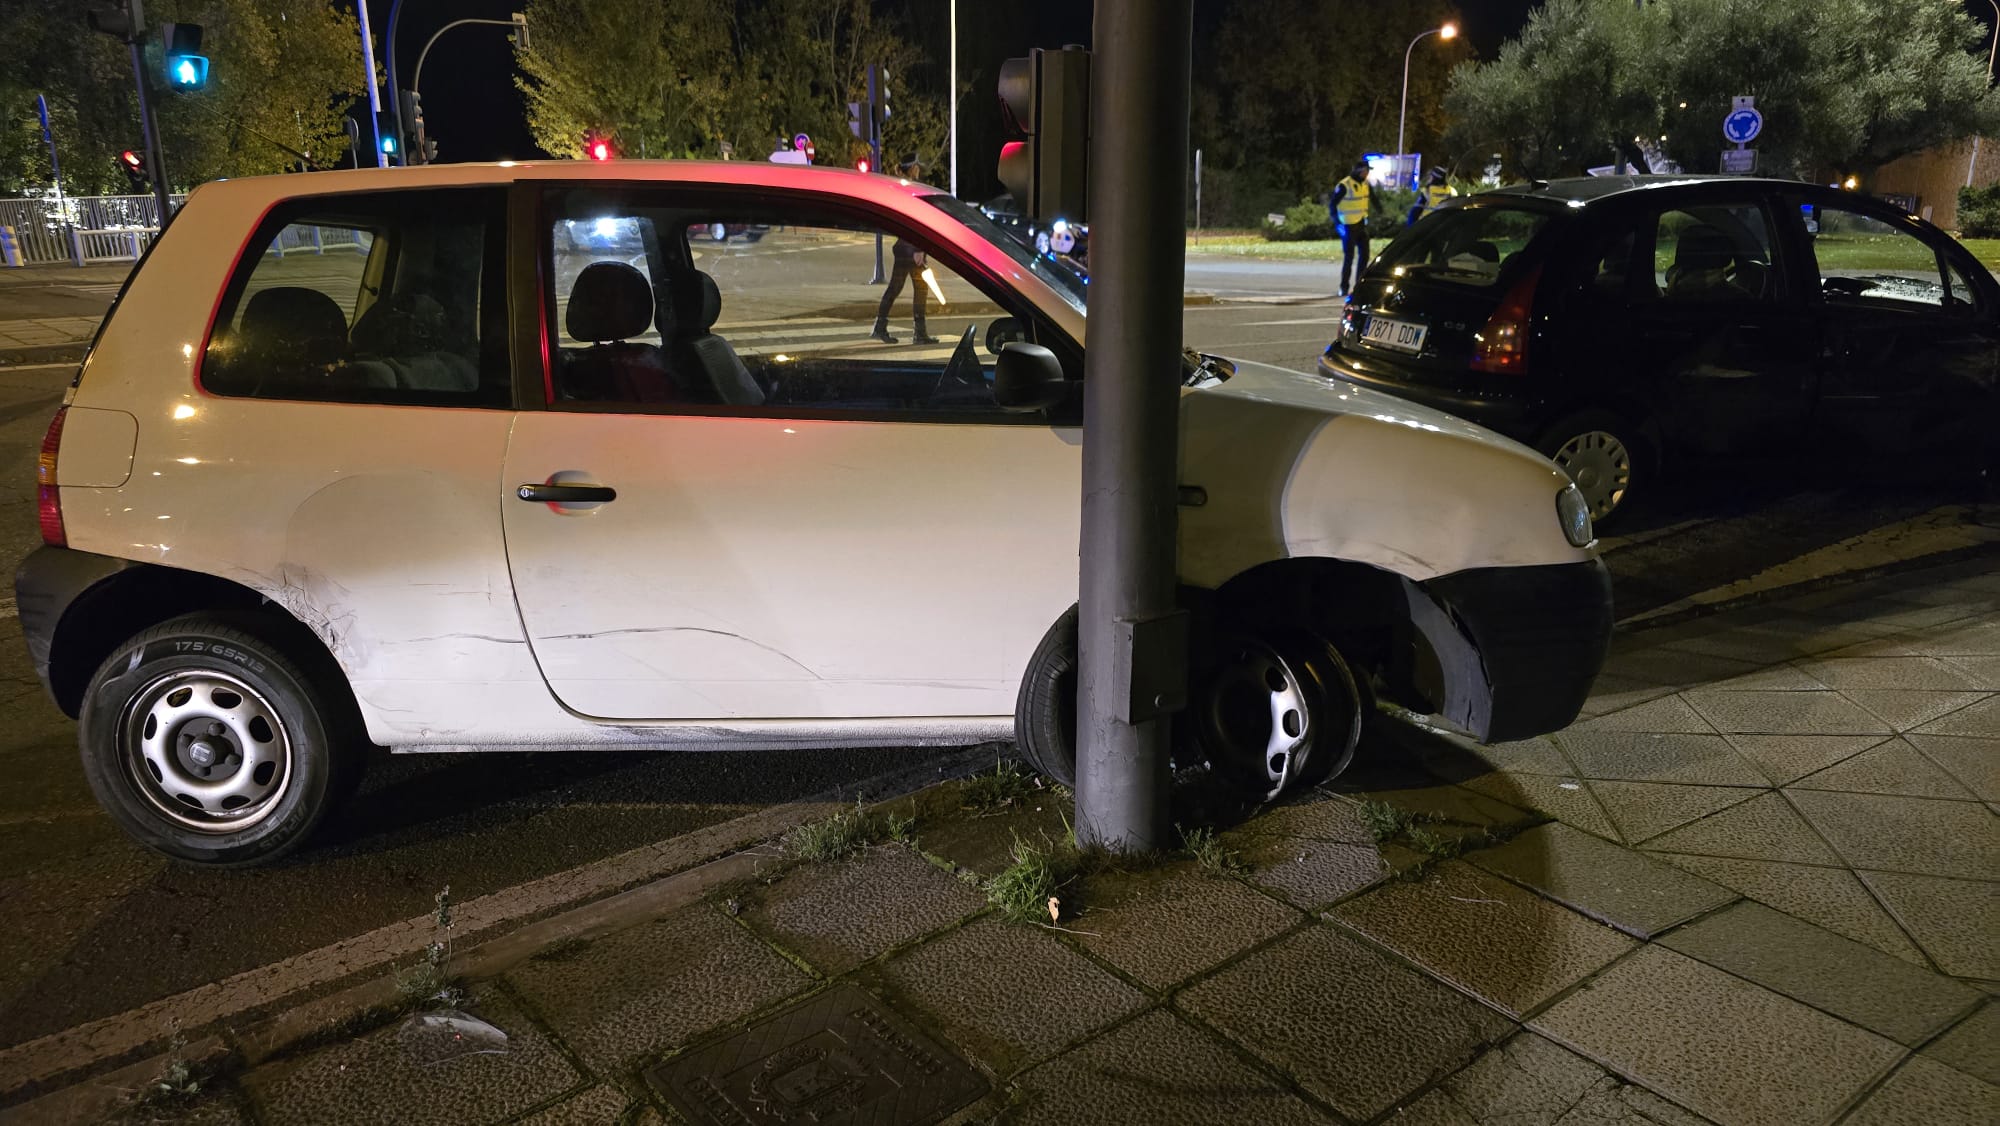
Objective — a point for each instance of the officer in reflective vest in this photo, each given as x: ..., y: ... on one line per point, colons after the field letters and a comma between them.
x: 1432, y: 195
x: 1349, y: 206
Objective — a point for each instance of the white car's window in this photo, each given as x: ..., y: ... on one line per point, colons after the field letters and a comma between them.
x: 391, y: 297
x: 1863, y: 260
x: 766, y: 309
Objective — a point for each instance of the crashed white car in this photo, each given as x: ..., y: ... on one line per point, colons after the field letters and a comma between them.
x: 521, y: 456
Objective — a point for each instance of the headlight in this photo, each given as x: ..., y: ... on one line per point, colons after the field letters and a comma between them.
x: 1574, y: 513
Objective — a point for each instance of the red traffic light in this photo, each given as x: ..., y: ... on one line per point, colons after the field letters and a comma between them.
x: 862, y: 164
x: 597, y: 148
x: 132, y: 161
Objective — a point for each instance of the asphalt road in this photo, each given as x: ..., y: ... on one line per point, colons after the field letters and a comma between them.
x: 97, y: 925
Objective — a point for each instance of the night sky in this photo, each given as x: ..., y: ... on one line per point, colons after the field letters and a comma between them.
x: 477, y: 113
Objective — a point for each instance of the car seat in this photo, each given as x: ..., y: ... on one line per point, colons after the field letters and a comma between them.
x: 287, y: 341
x: 409, y: 336
x: 697, y: 305
x: 1702, y: 258
x: 609, y: 303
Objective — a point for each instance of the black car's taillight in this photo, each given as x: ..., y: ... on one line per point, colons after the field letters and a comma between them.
x: 1502, y: 344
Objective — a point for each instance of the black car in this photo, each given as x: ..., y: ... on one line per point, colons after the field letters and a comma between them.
x: 1626, y: 326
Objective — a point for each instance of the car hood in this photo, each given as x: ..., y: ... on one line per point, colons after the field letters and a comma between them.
x: 1287, y: 464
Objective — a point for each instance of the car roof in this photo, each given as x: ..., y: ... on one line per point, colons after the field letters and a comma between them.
x: 850, y: 182
x: 1589, y: 189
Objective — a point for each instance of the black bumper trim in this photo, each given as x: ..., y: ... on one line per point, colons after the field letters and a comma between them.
x: 48, y: 583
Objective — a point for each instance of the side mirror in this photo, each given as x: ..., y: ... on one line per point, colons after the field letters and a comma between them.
x: 1028, y: 377
x: 1002, y: 332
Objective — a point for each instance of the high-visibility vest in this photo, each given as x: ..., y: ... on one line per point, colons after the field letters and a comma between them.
x: 1435, y: 195
x: 1352, y: 209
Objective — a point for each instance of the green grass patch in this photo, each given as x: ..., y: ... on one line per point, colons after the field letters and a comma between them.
x: 1254, y: 246
x: 1039, y: 873
x: 844, y: 834
x: 1005, y: 786
x: 1209, y: 852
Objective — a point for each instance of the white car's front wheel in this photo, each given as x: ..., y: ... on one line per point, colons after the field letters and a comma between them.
x: 207, y: 741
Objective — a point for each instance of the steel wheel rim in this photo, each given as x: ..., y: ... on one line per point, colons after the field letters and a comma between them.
x: 206, y: 751
x: 1257, y: 711
x: 1600, y: 465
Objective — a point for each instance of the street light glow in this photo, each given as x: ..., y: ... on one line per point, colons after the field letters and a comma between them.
x: 1448, y: 31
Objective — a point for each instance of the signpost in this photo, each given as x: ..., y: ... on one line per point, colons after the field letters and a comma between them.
x: 1741, y: 127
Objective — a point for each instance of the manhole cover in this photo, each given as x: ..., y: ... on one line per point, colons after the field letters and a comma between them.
x: 838, y: 1059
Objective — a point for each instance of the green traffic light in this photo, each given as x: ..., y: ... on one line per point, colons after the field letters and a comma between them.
x: 187, y: 72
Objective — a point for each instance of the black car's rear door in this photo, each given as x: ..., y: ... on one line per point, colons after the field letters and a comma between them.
x: 1727, y: 348
x: 1912, y: 343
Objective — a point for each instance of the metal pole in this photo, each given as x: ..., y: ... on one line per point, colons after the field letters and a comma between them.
x: 1197, y: 195
x: 1403, y: 114
x: 1132, y: 668
x: 951, y: 92
x: 1991, y: 52
x: 374, y: 95
x: 417, y: 75
x: 875, y: 150
x: 149, y: 131
x: 55, y: 166
x: 389, y: 61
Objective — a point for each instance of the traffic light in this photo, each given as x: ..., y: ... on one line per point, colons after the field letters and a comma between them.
x: 417, y: 145
x: 857, y: 121
x: 1047, y: 97
x: 392, y: 145
x: 187, y: 67
x: 134, y: 167
x: 597, y: 147
x: 862, y: 164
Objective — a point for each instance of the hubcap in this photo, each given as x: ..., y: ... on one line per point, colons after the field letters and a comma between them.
x: 1601, y: 467
x: 206, y: 751
x: 1257, y: 714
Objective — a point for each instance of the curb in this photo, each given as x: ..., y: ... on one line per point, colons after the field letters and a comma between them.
x: 1825, y: 582
x: 63, y: 1075
x: 1197, y: 299
x: 71, y: 352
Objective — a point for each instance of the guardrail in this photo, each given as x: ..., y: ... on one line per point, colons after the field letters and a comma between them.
x: 80, y: 229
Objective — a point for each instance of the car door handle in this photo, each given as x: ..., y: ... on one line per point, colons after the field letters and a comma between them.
x: 566, y: 494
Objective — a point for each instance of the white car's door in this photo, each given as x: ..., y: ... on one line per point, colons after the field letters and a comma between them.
x: 874, y: 539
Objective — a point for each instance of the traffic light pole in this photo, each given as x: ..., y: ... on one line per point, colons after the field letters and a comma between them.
x: 149, y: 132
x: 374, y: 95
x: 1132, y: 637
x: 875, y: 151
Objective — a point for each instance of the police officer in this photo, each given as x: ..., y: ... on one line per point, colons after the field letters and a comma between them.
x: 1432, y: 195
x: 1348, y: 207
x: 910, y: 260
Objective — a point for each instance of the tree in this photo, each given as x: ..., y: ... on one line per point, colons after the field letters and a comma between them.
x: 1842, y: 84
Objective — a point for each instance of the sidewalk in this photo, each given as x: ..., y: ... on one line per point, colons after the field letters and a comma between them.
x: 1758, y: 884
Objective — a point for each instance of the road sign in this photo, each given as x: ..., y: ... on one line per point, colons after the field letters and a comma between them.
x: 1743, y: 124
x: 1740, y: 162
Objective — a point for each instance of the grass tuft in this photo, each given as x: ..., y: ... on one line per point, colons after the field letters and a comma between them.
x: 1209, y: 852
x: 1385, y: 820
x: 1005, y: 786
x: 1022, y: 889
x: 840, y: 835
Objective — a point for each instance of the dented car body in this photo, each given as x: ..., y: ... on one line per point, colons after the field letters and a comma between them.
x: 443, y: 488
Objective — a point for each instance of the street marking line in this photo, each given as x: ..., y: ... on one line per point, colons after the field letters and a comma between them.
x: 1307, y: 321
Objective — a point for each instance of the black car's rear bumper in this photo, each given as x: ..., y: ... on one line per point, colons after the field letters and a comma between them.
x: 1516, y: 648
x: 1518, y: 417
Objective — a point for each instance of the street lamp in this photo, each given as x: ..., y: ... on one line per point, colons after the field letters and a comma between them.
x: 1448, y: 31
x: 1972, y: 164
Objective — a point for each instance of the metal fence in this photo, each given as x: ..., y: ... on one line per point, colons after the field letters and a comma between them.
x: 82, y: 229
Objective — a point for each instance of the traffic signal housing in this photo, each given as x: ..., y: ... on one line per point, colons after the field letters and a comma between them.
x: 598, y: 147
x: 418, y: 148
x: 1046, y: 96
x: 134, y: 167
x: 187, y: 67
x: 392, y: 145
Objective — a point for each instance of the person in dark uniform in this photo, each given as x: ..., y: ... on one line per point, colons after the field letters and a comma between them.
x: 909, y: 267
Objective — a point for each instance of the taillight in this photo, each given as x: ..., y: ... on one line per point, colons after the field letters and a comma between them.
x: 48, y: 500
x: 1502, y: 345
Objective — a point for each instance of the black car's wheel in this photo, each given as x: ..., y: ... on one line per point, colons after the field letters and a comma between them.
x: 1277, y: 712
x: 1045, y: 710
x: 1604, y: 455
x: 204, y: 739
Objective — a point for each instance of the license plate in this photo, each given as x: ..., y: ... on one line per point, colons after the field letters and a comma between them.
x: 1403, y: 336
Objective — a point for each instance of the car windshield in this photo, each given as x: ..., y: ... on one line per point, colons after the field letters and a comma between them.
x: 1469, y: 246
x: 1062, y: 280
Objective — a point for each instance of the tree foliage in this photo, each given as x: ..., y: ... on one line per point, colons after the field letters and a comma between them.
x: 286, y: 69
x: 1842, y: 84
x: 683, y: 78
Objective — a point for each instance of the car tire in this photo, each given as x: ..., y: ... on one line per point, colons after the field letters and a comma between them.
x: 1045, y: 709
x: 1278, y: 711
x: 1606, y: 456
x: 207, y: 740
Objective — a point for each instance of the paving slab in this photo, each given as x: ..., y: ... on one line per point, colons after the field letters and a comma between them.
x: 1567, y: 799
x: 1895, y: 768
x: 1157, y: 1068
x: 1669, y: 714
x: 1309, y: 873
x: 1704, y: 760
x: 1164, y: 926
x: 1616, y: 886
x: 1316, y: 816
x: 1508, y: 947
x: 1929, y: 673
x: 1832, y: 898
x: 1009, y: 994
x: 1787, y: 677
x: 1924, y: 1092
x: 1834, y: 974
x: 1787, y: 758
x: 1898, y: 834
x: 654, y: 987
x: 1729, y: 1050
x: 1980, y: 720
x: 1355, y: 1028
x: 377, y: 1079
x: 1974, y: 762
x: 840, y: 914
x: 1611, y: 692
x: 1977, y: 640
x: 1784, y: 713
x: 1678, y: 666
x: 1906, y: 710
x: 1953, y: 920
x: 1984, y: 671
x: 1972, y: 1046
x: 600, y: 1104
x: 1642, y: 810
x: 1526, y: 756
x: 1530, y: 1079
x: 1763, y: 828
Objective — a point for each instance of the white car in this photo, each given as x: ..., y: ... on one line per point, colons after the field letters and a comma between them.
x: 378, y: 457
